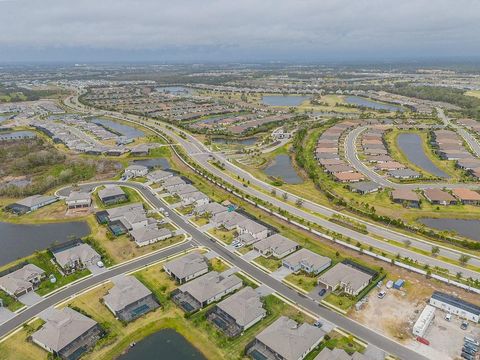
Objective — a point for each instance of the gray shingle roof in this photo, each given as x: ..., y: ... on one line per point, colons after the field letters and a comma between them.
x: 244, y: 306
x: 187, y: 265
x: 126, y: 291
x: 209, y: 285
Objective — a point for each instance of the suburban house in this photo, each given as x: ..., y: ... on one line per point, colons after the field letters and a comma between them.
x: 253, y: 228
x: 404, y: 174
x: 78, y: 200
x: 238, y: 312
x: 439, y: 197
x: 228, y: 220
x: 129, y: 299
x: 346, y: 278
x: 135, y: 171
x: 467, y: 196
x: 76, y: 257
x: 149, y: 234
x: 22, y: 280
x: 348, y: 176
x: 187, y: 267
x: 173, y: 182
x: 112, y: 195
x: 339, y: 354
x: 67, y: 333
x: 30, y: 204
x: 211, y: 209
x: 307, y: 261
x: 364, y: 187
x: 286, y: 339
x: 205, y: 289
x: 454, y: 305
x: 195, y: 198
x: 159, y: 175
x: 275, y: 245
x: 406, y: 196
x: 131, y: 216
x: 184, y: 189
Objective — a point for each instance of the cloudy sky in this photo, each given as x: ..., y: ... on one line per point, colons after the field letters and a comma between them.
x: 237, y: 30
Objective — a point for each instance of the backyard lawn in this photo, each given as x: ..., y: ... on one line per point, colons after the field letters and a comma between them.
x: 270, y: 263
x: 303, y: 281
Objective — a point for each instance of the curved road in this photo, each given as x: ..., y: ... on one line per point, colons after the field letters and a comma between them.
x: 308, y: 304
x: 201, y: 155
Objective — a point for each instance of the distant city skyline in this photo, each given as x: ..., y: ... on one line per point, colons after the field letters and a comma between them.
x: 226, y: 31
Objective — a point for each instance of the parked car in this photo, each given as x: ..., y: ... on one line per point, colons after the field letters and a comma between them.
x: 381, y: 294
x: 464, y: 325
x: 467, y: 356
x: 468, y: 351
x: 100, y: 264
x: 322, y: 292
x: 318, y: 324
x: 470, y: 346
x: 471, y: 341
x: 448, y: 317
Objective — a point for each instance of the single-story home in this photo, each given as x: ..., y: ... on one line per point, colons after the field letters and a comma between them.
x: 78, y: 200
x: 22, y: 280
x: 276, y: 245
x: 146, y: 235
x: 404, y: 174
x: 135, y: 171
x: 406, y: 196
x: 187, y: 267
x: 112, y: 195
x: 346, y: 278
x: 76, y: 257
x: 286, y: 339
x: 30, y: 204
x: 196, y: 198
x: 348, y: 176
x: 364, y: 187
x: 129, y: 299
x: 211, y: 209
x: 159, y: 175
x: 439, y: 197
x: 255, y: 229
x: 307, y: 261
x: 467, y: 196
x: 67, y: 333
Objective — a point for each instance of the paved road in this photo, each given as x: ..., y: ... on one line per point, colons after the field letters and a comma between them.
x: 467, y: 136
x: 342, y: 322
x: 75, y: 288
x: 351, y: 155
x: 201, y: 154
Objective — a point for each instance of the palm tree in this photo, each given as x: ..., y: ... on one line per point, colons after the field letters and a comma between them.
x: 463, y: 259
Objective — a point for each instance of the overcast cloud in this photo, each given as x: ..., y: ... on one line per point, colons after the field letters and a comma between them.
x: 188, y: 30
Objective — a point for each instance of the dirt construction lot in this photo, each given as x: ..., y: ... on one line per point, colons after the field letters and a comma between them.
x: 395, y: 314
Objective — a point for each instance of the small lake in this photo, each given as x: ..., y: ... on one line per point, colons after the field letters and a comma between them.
x: 466, y: 228
x: 125, y: 130
x: 20, y: 240
x: 248, y: 141
x: 160, y: 163
x: 411, y: 145
x: 163, y: 345
x: 282, y: 168
x: 283, y: 100
x: 14, y: 135
x: 361, y: 101
x: 2, y: 118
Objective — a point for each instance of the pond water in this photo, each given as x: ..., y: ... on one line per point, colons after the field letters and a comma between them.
x: 2, y: 118
x: 282, y: 168
x: 281, y: 100
x: 466, y: 228
x: 125, y: 130
x: 361, y: 101
x: 160, y: 163
x: 163, y: 345
x: 248, y: 141
x: 411, y: 145
x: 20, y: 240
x: 17, y: 134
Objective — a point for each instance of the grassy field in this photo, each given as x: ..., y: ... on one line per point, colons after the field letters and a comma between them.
x: 17, y: 347
x: 223, y: 235
x: 342, y: 302
x: 200, y: 220
x: 172, y: 199
x: 474, y: 93
x: 216, y: 264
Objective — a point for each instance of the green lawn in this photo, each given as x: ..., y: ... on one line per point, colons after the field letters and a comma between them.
x: 185, y: 210
x: 9, y: 302
x: 172, y: 199
x: 303, y: 281
x: 270, y: 263
x: 43, y: 261
x: 223, y: 235
x: 200, y: 220
x: 342, y: 302
x: 216, y: 264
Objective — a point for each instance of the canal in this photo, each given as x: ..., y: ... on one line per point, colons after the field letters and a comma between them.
x: 411, y: 145
x: 163, y: 345
x: 125, y: 130
x: 20, y: 240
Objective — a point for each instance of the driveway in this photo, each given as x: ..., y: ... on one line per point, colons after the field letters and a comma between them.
x: 94, y: 269
x: 30, y: 298
x: 314, y: 293
x: 281, y: 273
x: 251, y: 255
x: 5, y: 314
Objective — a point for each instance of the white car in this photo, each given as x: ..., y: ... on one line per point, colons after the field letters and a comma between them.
x: 100, y: 264
x: 448, y: 317
x: 381, y: 294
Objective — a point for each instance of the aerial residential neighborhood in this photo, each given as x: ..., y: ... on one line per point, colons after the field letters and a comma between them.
x: 269, y: 180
